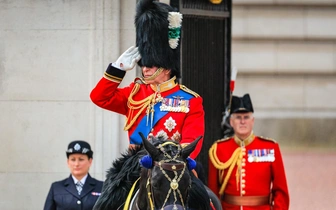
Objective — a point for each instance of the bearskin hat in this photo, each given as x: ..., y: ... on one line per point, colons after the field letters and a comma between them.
x: 158, y: 28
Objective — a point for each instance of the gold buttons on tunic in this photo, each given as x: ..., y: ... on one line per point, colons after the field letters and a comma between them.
x: 79, y: 202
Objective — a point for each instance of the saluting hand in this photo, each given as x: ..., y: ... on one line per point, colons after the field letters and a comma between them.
x: 128, y: 59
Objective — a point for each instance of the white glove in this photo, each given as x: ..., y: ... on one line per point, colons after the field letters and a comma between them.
x: 128, y: 59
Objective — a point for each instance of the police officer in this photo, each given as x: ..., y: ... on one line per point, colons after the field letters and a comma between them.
x: 247, y: 171
x: 79, y: 191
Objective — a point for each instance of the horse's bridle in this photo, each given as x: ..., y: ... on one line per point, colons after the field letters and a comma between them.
x: 169, y: 164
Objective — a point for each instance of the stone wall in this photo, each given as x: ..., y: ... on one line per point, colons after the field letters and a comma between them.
x: 285, y: 53
x: 52, y: 53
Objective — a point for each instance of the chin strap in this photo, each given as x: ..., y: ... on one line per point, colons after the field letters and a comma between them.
x: 157, y: 72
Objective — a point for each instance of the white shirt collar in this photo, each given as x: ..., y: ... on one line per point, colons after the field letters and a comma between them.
x: 82, y: 180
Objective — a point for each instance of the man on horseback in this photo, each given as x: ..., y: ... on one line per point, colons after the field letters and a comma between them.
x: 154, y: 104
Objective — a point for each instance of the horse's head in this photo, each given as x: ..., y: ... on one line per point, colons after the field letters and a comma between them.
x: 168, y: 180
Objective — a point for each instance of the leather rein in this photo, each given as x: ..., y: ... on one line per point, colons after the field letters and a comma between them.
x: 175, y: 166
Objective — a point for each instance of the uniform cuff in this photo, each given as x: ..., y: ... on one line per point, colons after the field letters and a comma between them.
x: 114, y: 74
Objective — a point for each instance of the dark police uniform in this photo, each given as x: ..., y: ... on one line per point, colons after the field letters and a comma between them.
x: 63, y: 195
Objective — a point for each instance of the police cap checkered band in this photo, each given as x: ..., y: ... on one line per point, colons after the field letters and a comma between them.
x: 79, y: 147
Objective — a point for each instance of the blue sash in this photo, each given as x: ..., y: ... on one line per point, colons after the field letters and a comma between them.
x: 145, y: 128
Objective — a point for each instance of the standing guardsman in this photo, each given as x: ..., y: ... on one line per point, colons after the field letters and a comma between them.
x: 247, y: 171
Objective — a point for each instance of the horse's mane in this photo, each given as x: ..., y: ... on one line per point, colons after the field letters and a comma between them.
x: 119, y: 180
x: 126, y: 170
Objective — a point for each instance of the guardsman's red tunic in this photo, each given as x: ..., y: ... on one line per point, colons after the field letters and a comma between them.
x: 169, y: 109
x: 248, y: 174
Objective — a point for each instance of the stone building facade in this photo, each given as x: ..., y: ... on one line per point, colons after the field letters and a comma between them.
x: 285, y: 53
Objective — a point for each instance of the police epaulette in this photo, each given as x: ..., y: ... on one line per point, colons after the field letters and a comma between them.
x: 189, y: 91
x: 224, y: 139
x: 267, y: 139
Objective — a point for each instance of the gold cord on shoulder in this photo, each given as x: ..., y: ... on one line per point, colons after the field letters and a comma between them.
x: 147, y: 102
x: 133, y: 105
x: 235, y: 159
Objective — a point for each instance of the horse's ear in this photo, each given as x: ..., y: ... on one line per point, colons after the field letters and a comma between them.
x: 150, y: 148
x: 188, y: 149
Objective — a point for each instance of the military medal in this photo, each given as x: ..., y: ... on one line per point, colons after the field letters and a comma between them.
x: 250, y: 156
x: 175, y: 104
x: 271, y: 155
x: 261, y: 155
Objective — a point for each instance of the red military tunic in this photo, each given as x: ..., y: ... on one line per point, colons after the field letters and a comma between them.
x: 261, y: 172
x: 169, y: 110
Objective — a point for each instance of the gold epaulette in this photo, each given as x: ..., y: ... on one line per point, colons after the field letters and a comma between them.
x: 224, y: 139
x: 267, y: 139
x: 213, y: 148
x: 184, y: 88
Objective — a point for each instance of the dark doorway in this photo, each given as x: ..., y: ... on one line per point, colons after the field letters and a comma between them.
x: 206, y: 61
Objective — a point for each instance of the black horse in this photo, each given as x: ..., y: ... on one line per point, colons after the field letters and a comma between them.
x: 165, y: 182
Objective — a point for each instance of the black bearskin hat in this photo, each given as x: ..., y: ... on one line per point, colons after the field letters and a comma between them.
x: 157, y: 35
x: 241, y: 104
